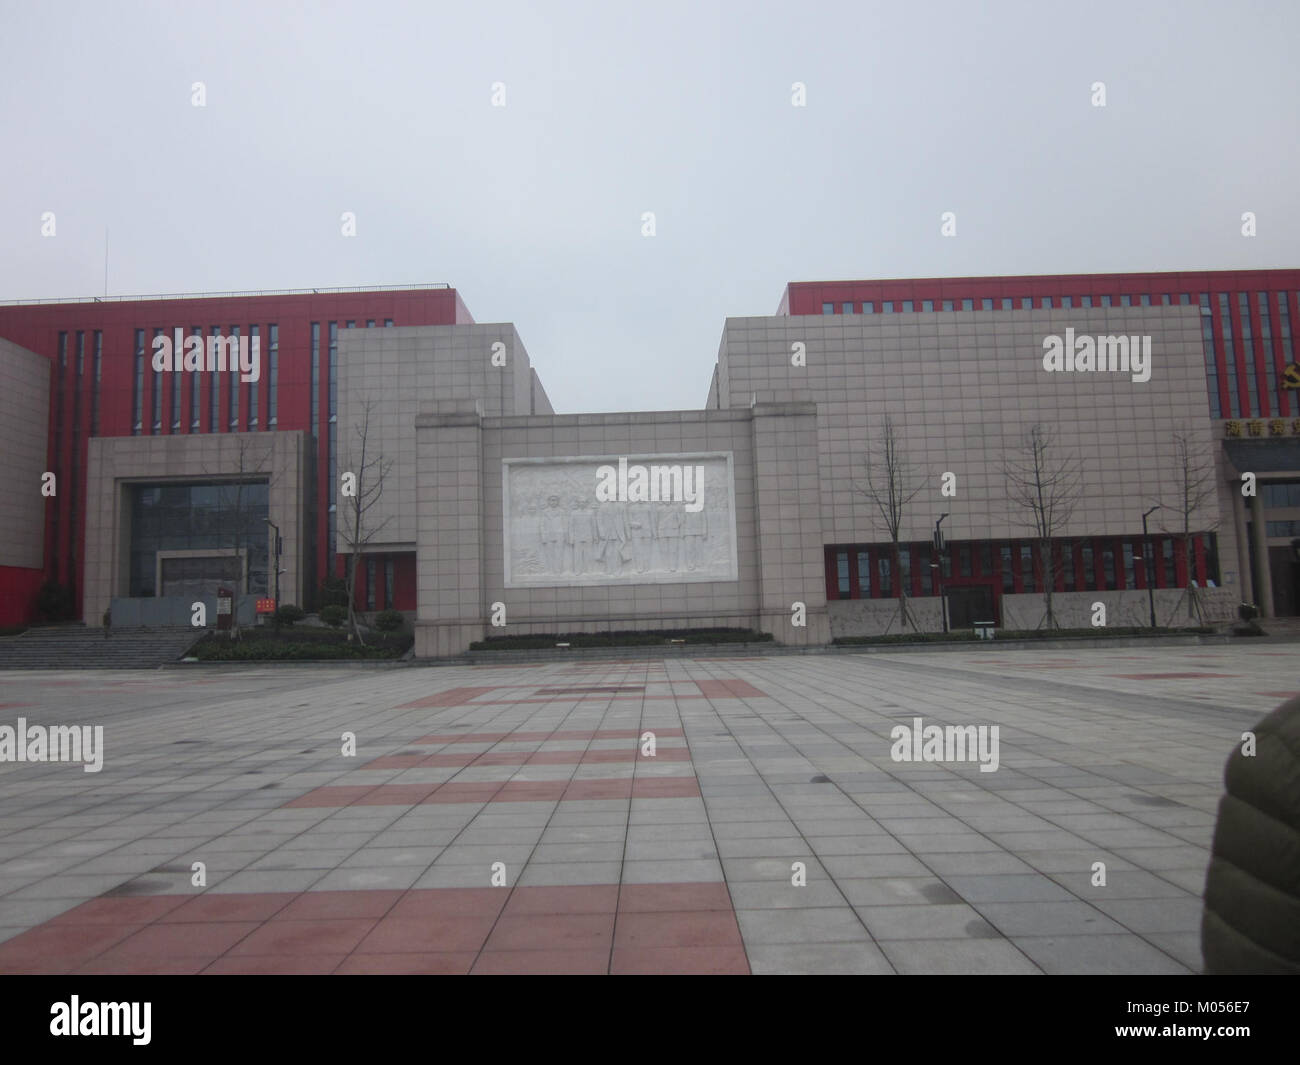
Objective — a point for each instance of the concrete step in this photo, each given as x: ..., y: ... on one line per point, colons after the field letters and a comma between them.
x: 78, y: 647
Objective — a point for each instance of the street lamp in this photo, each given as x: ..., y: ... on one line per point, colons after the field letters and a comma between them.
x: 938, y: 570
x: 1146, y: 563
x: 278, y: 545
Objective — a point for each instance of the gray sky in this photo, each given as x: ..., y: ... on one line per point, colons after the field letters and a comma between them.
x: 533, y: 211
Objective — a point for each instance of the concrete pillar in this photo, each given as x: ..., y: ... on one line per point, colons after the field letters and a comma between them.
x: 1263, y: 572
x: 787, y: 497
x: 450, y: 611
x: 1247, y: 579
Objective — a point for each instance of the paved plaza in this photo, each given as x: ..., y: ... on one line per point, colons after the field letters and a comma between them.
x: 516, y: 818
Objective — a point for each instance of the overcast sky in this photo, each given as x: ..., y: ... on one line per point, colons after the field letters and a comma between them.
x: 534, y: 210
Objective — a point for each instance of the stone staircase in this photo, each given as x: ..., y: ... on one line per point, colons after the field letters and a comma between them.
x: 79, y: 647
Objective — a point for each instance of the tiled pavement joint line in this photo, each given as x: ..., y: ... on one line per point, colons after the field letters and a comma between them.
x: 942, y: 878
x: 811, y: 852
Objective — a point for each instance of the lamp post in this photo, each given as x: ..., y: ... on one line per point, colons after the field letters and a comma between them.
x: 1146, y: 563
x: 278, y: 545
x: 938, y: 570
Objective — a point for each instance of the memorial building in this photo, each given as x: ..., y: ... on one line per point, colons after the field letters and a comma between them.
x: 496, y: 516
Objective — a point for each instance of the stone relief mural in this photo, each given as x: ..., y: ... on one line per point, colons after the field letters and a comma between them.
x: 644, y: 520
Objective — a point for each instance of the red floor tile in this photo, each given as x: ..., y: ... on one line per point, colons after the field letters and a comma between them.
x: 698, y: 928
x: 164, y: 942
x: 143, y: 967
x: 232, y: 907
x: 680, y: 961
x: 447, y: 963
x: 336, y: 935
x: 429, y: 935
x: 61, y: 947
x: 275, y: 965
x: 595, y: 898
x: 650, y: 898
x: 324, y: 905
x: 542, y: 963
x: 552, y: 931
x: 451, y: 902
x: 126, y: 909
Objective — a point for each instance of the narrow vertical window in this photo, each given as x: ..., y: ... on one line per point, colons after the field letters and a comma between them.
x: 315, y: 378
x: 254, y: 400
x: 214, y: 406
x: 273, y: 377
x: 196, y: 379
x: 1250, y: 402
x: 158, y: 385
x: 372, y: 579
x: 137, y: 400
x: 232, y: 392
x: 99, y: 373
x: 1236, y: 408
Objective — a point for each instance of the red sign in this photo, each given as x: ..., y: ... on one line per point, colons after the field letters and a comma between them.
x: 266, y: 606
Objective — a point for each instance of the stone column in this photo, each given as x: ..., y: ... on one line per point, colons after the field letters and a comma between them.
x: 787, y: 496
x: 1263, y: 572
x: 450, y: 612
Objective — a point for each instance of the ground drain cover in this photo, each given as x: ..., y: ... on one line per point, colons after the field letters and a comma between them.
x: 820, y: 780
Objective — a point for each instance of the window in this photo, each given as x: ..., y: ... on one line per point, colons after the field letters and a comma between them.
x: 1046, y: 301
x: 315, y: 377
x: 1085, y: 301
x: 986, y: 304
x: 137, y: 399
x: 388, y: 322
x: 1108, y: 565
x: 964, y: 560
x: 1184, y: 300
x: 905, y: 570
x: 828, y: 308
x: 176, y: 386
x: 1146, y: 301
x: 1211, y: 357
x: 1284, y: 325
x: 1130, y: 581
x: 1165, y: 300
x: 886, y: 578
x: 1026, y: 303
x: 887, y: 307
x: 157, y: 392
x: 846, y: 308
x: 371, y: 577
x: 907, y: 305
x: 842, y: 573
x: 214, y: 399
x: 390, y: 581
x: 1106, y: 301
x: 232, y: 388
x: 1089, y: 569
x: 1027, y: 567
x: 1250, y: 401
x: 351, y: 324
x: 967, y: 305
x: 1281, y: 528
x: 273, y: 377
x: 1007, y: 303
x: 195, y: 331
x: 927, y: 574
x: 864, y: 574
x: 1126, y: 301
x: 370, y: 323
x: 1008, y: 575
x: 254, y: 404
x: 1279, y: 494
x: 98, y: 371
x: 927, y: 305
x: 947, y: 305
x: 1171, y: 573
x: 1229, y: 361
x: 1266, y: 341
x: 1067, y: 301
x: 986, y: 559
x: 1067, y: 567
x: 868, y: 307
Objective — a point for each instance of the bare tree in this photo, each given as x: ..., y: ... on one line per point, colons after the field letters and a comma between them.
x: 1192, y: 490
x: 1045, y: 487
x: 363, y: 492
x: 891, y: 484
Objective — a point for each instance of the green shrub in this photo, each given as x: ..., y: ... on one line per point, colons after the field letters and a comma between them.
x: 389, y: 620
x: 333, y: 615
x: 1248, y: 611
x: 333, y: 592
x: 288, y: 614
